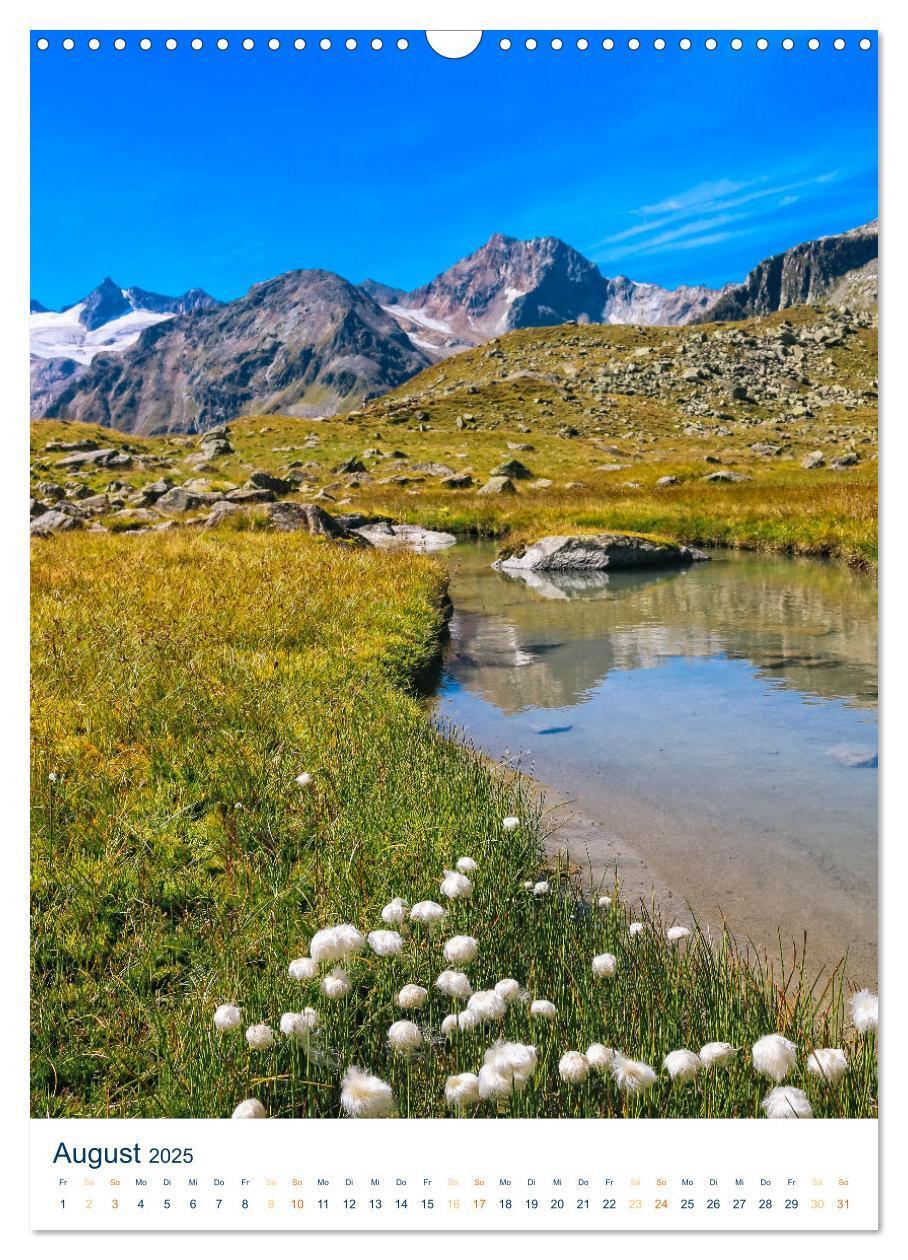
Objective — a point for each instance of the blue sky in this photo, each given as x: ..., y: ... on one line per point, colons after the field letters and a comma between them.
x: 171, y: 169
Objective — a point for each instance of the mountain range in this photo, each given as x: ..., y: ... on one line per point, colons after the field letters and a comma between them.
x: 310, y: 343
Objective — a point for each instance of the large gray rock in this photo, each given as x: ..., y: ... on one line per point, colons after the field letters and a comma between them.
x: 251, y: 494
x: 53, y: 522
x: 313, y: 519
x: 262, y: 480
x: 221, y: 511
x: 814, y: 460
x: 564, y: 553
x: 107, y: 457
x: 406, y: 537
x: 725, y: 476
x: 498, y: 485
x: 178, y: 499
x: 514, y: 469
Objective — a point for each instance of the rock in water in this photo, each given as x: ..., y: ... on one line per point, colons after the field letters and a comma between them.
x: 406, y: 537
x: 595, y: 551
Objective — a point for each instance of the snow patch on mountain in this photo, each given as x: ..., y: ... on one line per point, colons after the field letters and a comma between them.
x: 61, y: 335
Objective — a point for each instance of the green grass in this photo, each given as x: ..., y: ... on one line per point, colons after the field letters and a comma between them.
x: 180, y: 683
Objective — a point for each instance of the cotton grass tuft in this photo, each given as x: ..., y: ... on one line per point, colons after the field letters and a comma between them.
x: 427, y: 912
x: 605, y: 965
x: 334, y: 944
x: 303, y: 969
x: 455, y: 886
x: 364, y: 1096
x: 466, y: 865
x: 454, y: 984
x: 829, y: 1063
x: 336, y: 985
x: 543, y: 1009
x: 260, y: 1037
x: 787, y: 1103
x: 249, y: 1109
x: 227, y: 1017
x: 462, y: 1090
x: 385, y: 943
x: 717, y: 1053
x: 404, y: 1036
x: 461, y: 949
x: 412, y: 997
x: 395, y: 911
x: 487, y: 1006
x: 574, y: 1067
x: 865, y: 1010
x: 632, y: 1076
x: 774, y: 1056
x: 682, y: 1065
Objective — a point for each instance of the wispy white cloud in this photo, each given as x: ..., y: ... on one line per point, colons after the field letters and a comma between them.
x: 693, y: 218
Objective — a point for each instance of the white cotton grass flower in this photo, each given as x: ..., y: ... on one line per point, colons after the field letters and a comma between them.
x: 511, y: 823
x: 605, y: 965
x: 412, y: 997
x: 461, y: 949
x: 427, y: 912
x: 829, y: 1063
x: 336, y: 984
x: 507, y: 1066
x: 385, y: 943
x: 542, y: 888
x: 631, y: 1075
x: 508, y: 989
x: 717, y: 1053
x: 865, y: 1010
x: 227, y: 1017
x: 635, y: 928
x: 774, y: 1056
x: 395, y: 911
x: 303, y: 969
x: 454, y: 984
x: 462, y: 1090
x: 299, y: 1024
x: 604, y: 902
x: 574, y: 1067
x: 449, y: 1025
x: 600, y: 1057
x: 528, y: 885
x: 334, y: 944
x: 260, y: 1037
x: 249, y: 1109
x: 365, y: 1097
x: 466, y: 865
x: 541, y: 1008
x: 787, y: 1103
x: 304, y: 779
x: 404, y: 1036
x: 455, y: 886
x: 676, y: 933
x: 487, y: 1005
x: 682, y: 1065
x: 467, y: 1020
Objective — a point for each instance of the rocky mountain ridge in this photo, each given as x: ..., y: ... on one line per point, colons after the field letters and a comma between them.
x: 310, y: 343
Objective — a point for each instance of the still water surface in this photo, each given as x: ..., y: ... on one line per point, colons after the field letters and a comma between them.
x: 714, y: 729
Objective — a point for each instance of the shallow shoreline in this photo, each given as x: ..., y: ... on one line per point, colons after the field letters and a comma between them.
x: 661, y: 875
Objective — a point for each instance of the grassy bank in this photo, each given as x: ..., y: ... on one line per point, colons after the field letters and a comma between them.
x: 181, y: 683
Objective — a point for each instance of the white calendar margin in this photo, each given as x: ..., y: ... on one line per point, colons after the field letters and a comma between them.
x: 436, y: 14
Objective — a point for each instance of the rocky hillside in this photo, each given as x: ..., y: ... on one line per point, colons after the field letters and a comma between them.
x: 305, y: 343
x: 835, y: 269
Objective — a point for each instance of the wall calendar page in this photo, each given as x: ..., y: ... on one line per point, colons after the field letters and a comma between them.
x: 453, y: 557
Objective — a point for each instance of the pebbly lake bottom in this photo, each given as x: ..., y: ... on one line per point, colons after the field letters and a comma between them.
x: 711, y: 733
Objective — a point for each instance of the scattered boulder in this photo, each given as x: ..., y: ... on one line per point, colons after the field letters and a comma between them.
x: 814, y: 460
x: 251, y: 494
x: 725, y: 476
x: 53, y: 522
x: 406, y: 537
x: 457, y: 481
x: 107, y: 457
x: 595, y: 552
x: 848, y: 460
x: 307, y: 516
x: 221, y: 510
x: 667, y: 481
x: 178, y: 499
x: 498, y: 485
x: 50, y: 491
x: 351, y: 465
x: 431, y: 469
x: 135, y: 518
x: 514, y: 469
x: 261, y: 480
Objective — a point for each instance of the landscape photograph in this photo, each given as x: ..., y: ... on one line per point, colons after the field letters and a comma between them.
x: 453, y: 552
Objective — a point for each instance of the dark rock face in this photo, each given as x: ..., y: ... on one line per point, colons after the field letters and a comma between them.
x: 303, y: 344
x: 809, y: 273
x: 594, y: 552
x: 103, y: 304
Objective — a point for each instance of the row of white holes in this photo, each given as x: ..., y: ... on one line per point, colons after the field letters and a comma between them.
x: 505, y: 44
